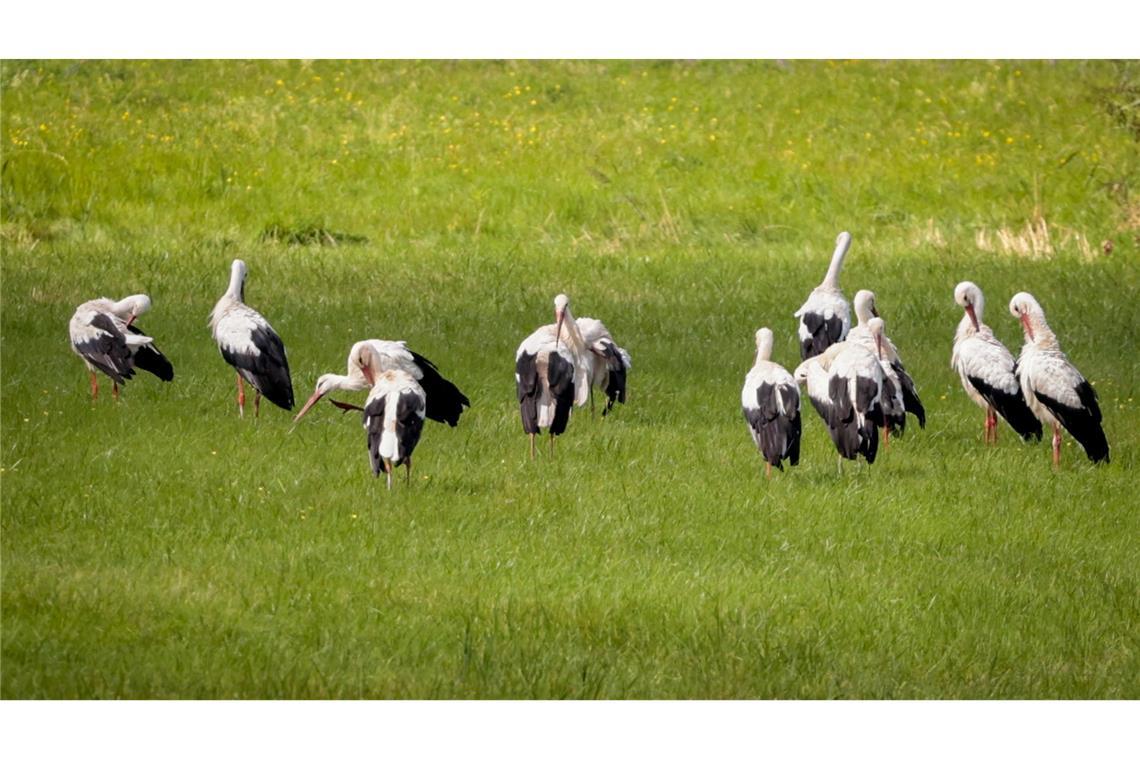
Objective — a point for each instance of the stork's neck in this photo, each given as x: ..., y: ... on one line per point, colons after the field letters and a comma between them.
x: 763, y: 350
x: 1043, y: 337
x: 966, y: 327
x: 353, y: 382
x: 831, y: 279
x: 236, y: 290
x: 571, y: 334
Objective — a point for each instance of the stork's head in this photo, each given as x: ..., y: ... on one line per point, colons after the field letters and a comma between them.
x: 1025, y: 308
x: 969, y: 297
x: 865, y: 306
x: 132, y: 307
x: 801, y: 373
x: 325, y: 385
x: 237, y: 279
x: 876, y: 325
x: 561, y: 311
x: 764, y: 342
x: 363, y: 357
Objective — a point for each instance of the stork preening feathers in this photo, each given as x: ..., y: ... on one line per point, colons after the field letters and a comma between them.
x: 104, y: 336
x: 899, y: 392
x: 825, y: 316
x: 1054, y: 389
x: 770, y: 400
x: 609, y: 362
x: 369, y: 358
x: 394, y: 419
x: 251, y: 346
x: 987, y: 369
x: 845, y: 385
x: 552, y: 374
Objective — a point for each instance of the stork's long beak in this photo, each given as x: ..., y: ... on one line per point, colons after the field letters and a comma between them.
x: 309, y: 405
x: 131, y: 319
x: 973, y: 316
x: 879, y: 345
x: 368, y: 374
x: 561, y: 317
x: 1025, y: 324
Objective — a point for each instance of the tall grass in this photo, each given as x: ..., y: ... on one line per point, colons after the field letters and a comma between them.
x: 162, y: 547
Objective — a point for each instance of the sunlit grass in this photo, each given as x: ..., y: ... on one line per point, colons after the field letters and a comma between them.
x: 164, y: 548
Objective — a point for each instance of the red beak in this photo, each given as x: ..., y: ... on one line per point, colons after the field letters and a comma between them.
x: 973, y: 317
x: 131, y: 319
x: 368, y: 374
x: 560, y: 316
x: 309, y: 405
x: 879, y: 345
x: 1025, y: 324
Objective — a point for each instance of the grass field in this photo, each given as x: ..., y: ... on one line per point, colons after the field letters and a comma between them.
x: 161, y: 547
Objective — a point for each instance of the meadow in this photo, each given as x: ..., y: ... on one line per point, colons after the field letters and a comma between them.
x: 161, y: 547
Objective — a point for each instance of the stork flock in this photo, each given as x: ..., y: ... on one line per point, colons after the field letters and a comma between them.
x: 853, y: 376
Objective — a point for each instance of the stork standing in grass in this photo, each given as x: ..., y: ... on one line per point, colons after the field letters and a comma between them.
x: 104, y: 336
x: 1054, y: 389
x: 770, y: 400
x: 552, y: 371
x: 394, y: 419
x: 251, y: 346
x: 987, y: 369
x: 368, y: 358
x: 845, y: 385
x: 609, y: 362
x: 902, y: 387
x: 825, y: 316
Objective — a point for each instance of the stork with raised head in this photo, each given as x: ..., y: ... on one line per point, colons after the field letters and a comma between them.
x: 445, y: 402
x: 251, y: 346
x: 609, y: 362
x: 903, y: 384
x: 988, y: 370
x: 845, y: 385
x: 770, y: 400
x: 825, y: 316
x: 104, y: 336
x: 552, y: 370
x: 1055, y: 390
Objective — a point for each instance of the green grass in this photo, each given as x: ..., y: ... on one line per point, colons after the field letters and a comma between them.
x: 162, y: 547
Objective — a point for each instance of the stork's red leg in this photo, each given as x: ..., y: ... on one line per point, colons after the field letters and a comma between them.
x: 991, y: 425
x: 388, y: 473
x: 1056, y: 446
x: 768, y: 470
x: 532, y: 447
x: 256, y: 403
x: 241, y: 397
x: 115, y: 390
x: 94, y: 386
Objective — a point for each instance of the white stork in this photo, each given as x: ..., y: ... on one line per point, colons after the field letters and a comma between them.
x: 445, y: 402
x: 882, y: 347
x: 609, y: 362
x: 770, y: 400
x: 393, y: 419
x: 251, y: 346
x: 552, y: 371
x: 1055, y: 390
x: 987, y: 369
x: 104, y: 336
x: 825, y: 316
x: 845, y: 385
x: 893, y: 399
